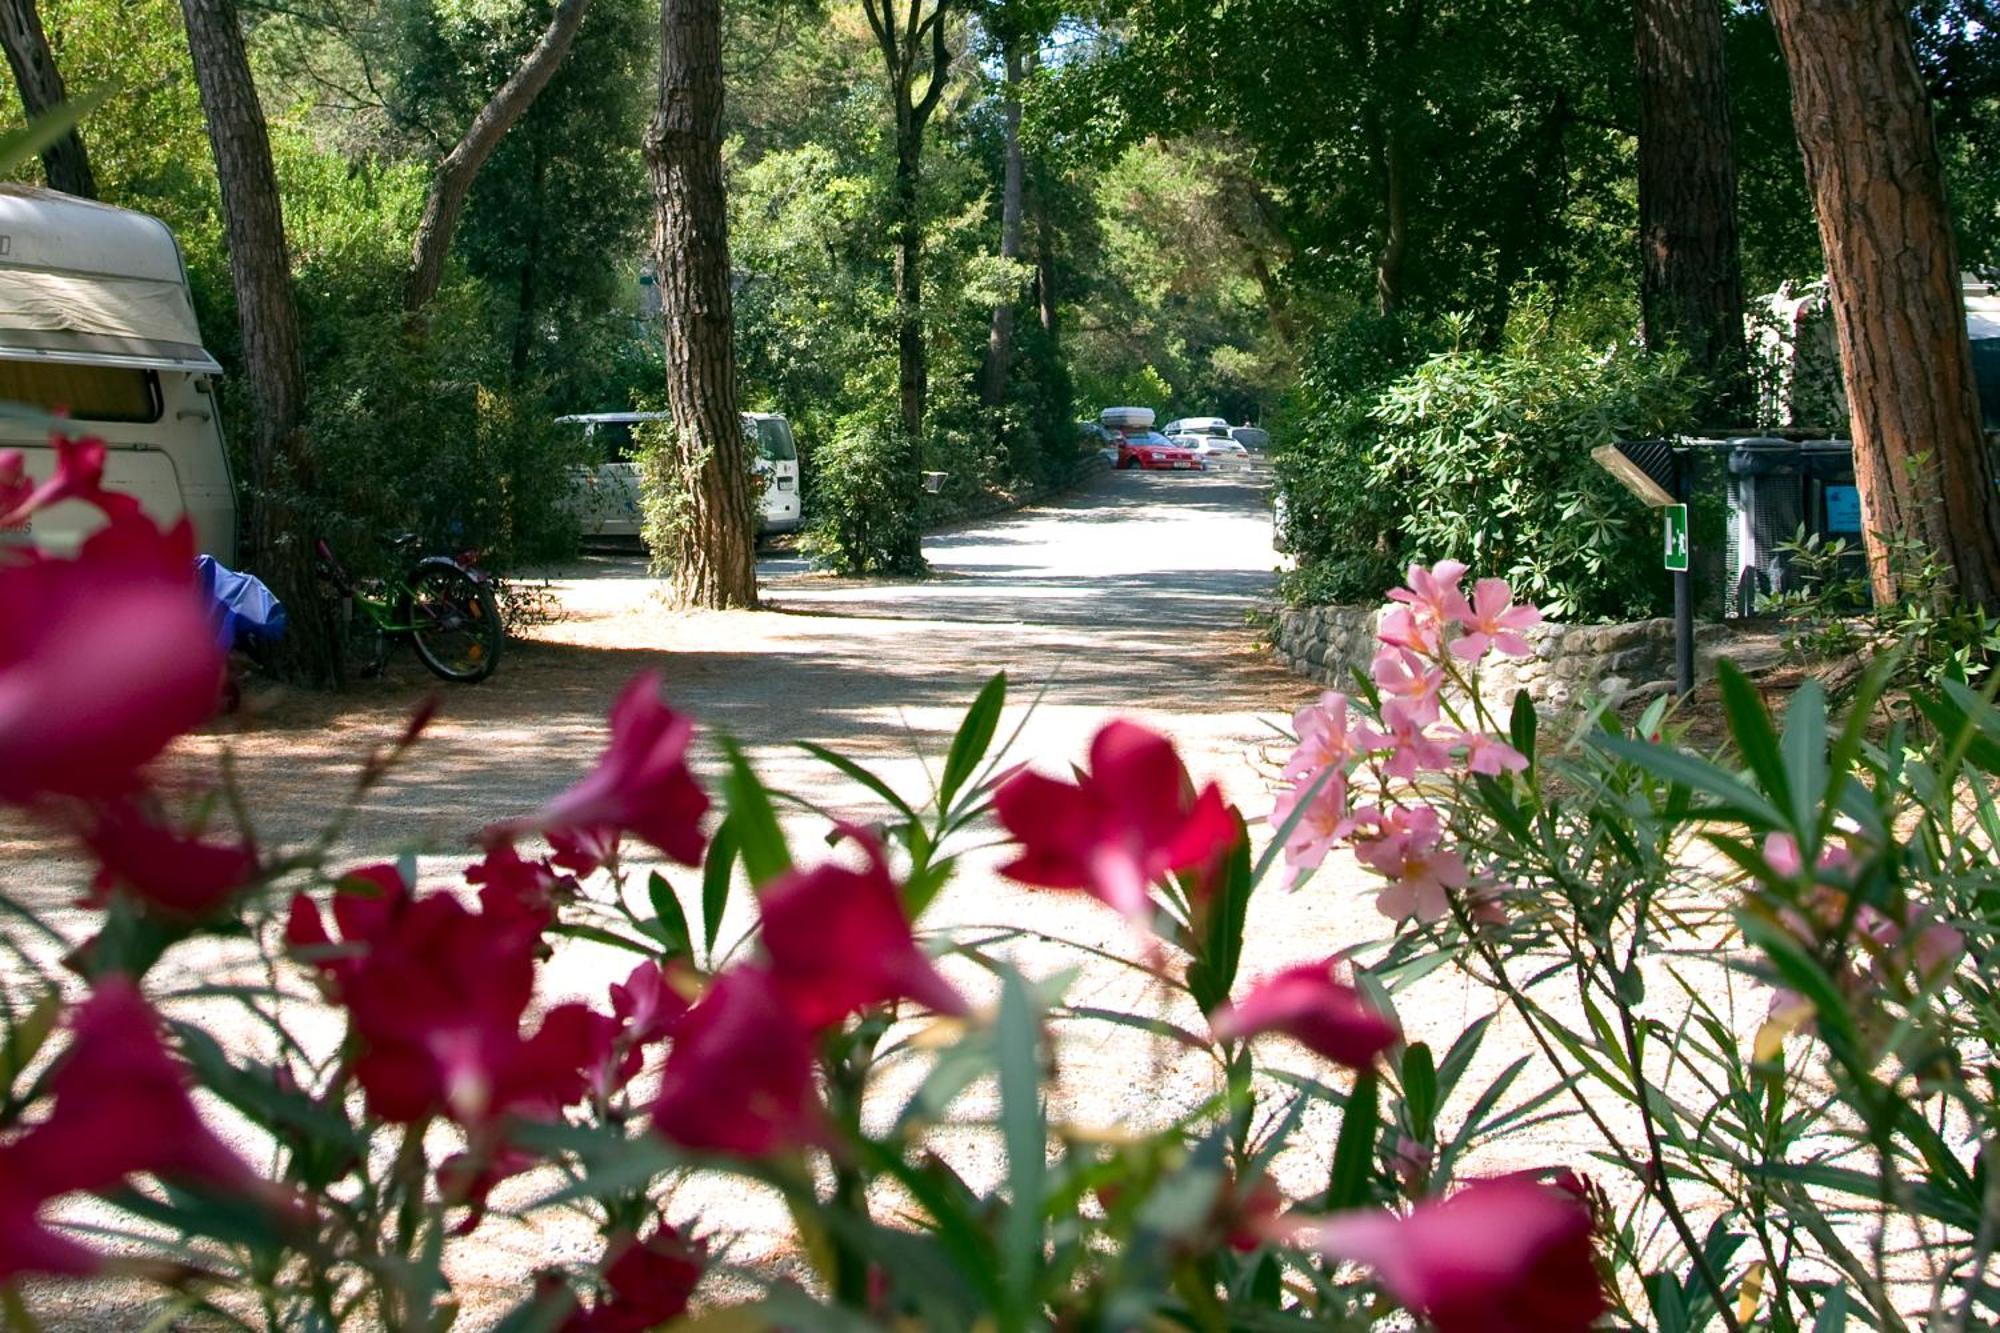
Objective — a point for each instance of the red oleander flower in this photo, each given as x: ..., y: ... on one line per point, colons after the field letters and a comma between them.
x: 104, y: 659
x: 1118, y: 828
x: 739, y: 1079
x: 121, y: 1107
x: 647, y: 1284
x: 510, y: 885
x: 1306, y: 1003
x: 79, y: 475
x: 365, y: 902
x: 178, y: 875
x: 839, y: 943
x: 645, y: 1008
x: 1499, y: 1256
x: 641, y: 785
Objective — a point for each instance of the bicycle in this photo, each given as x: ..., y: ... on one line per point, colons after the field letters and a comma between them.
x: 445, y: 608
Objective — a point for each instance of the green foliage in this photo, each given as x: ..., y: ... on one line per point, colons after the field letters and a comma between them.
x: 867, y: 521
x: 1830, y: 612
x: 1481, y: 456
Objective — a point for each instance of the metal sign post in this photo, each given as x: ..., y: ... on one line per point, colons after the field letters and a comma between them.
x: 1657, y: 472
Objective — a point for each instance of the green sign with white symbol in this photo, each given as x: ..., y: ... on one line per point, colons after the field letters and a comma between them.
x: 1677, y: 537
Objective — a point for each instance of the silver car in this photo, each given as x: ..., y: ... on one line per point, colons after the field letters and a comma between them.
x: 606, y: 496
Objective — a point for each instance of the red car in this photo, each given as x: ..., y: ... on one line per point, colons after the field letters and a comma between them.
x: 1153, y: 451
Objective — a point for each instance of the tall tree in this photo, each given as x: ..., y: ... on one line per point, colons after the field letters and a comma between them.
x: 915, y: 45
x: 281, y: 465
x: 1690, y: 270
x: 1864, y: 126
x: 714, y: 564
x: 41, y: 85
x: 452, y: 181
x: 1000, y: 335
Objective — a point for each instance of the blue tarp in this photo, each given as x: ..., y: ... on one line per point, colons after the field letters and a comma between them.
x: 245, y: 610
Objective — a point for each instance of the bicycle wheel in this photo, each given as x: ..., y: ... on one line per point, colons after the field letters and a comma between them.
x: 454, y: 621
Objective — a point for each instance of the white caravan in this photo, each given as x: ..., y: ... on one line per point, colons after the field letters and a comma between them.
x: 96, y: 320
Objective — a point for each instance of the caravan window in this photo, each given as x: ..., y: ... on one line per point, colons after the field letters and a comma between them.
x: 87, y: 393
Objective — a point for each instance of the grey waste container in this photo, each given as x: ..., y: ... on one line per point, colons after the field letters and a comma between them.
x: 1775, y: 489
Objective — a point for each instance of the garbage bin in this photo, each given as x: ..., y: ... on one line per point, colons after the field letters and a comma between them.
x: 1776, y: 488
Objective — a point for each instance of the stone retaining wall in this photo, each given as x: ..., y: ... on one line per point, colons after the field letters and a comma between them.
x: 1571, y: 662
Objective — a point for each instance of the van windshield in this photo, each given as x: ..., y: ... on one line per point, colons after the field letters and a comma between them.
x: 87, y: 393
x: 614, y: 439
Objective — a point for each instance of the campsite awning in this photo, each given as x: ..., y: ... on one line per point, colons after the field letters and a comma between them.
x: 99, y: 318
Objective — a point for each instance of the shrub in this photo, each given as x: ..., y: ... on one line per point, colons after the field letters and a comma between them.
x: 866, y: 521
x: 1484, y: 454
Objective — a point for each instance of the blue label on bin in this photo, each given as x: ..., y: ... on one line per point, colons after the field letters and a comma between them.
x: 1843, y: 509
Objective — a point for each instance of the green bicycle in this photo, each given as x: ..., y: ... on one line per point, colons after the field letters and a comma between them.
x: 444, y: 608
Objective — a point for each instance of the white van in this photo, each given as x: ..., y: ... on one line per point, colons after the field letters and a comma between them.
x: 605, y: 498
x: 96, y: 320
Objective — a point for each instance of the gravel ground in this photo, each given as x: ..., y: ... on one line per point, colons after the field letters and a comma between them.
x: 1132, y: 596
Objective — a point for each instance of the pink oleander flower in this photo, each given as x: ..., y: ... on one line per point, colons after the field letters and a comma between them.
x: 1311, y: 1006
x: 177, y: 875
x: 646, y: 1284
x: 1405, y: 628
x: 1781, y: 851
x: 1433, y: 595
x: 1326, y: 737
x: 739, y: 1079
x: 1497, y: 1256
x: 366, y: 901
x: 1411, y: 749
x: 121, y: 1108
x: 641, y: 785
x: 1492, y: 623
x: 839, y: 943
x: 1119, y: 828
x: 1488, y: 754
x: 1321, y: 828
x: 1402, y: 677
x: 1404, y: 849
x: 104, y: 660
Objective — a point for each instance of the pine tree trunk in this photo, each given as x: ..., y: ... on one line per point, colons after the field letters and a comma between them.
x: 1000, y: 336
x: 41, y: 85
x: 451, y: 184
x: 279, y: 543
x: 1863, y: 122
x: 913, y: 379
x: 713, y: 546
x: 1690, y: 274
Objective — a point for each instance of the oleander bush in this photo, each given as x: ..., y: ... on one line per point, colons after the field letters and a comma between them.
x: 279, y: 1088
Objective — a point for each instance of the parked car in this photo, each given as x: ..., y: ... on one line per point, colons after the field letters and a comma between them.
x: 1154, y: 452
x: 1254, y: 438
x: 606, y: 498
x: 1211, y: 426
x: 1218, y: 451
x: 96, y: 320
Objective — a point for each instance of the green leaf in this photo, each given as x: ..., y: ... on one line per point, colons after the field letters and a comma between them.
x: 1420, y: 1089
x: 24, y: 1038
x: 673, y: 921
x: 1664, y: 761
x: 1354, y: 1150
x: 759, y: 838
x: 1229, y: 911
x: 1832, y: 1316
x: 1521, y: 725
x: 1805, y: 756
x: 1026, y: 1135
x: 1750, y: 726
x: 17, y: 146
x: 1459, y: 1058
x: 715, y: 875
x: 860, y: 775
x: 1663, y: 1293
x: 974, y: 738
